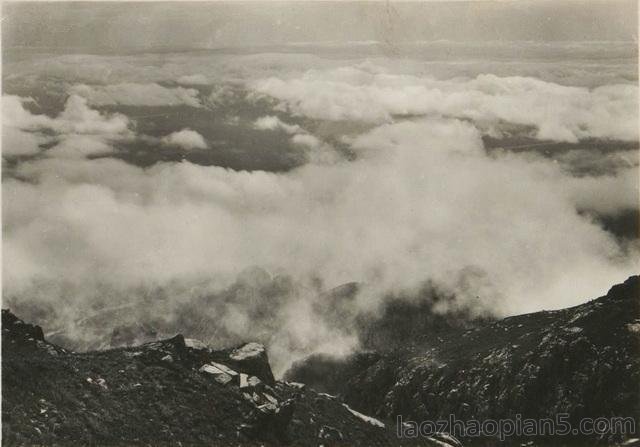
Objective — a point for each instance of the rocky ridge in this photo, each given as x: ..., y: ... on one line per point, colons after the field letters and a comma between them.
x: 583, y: 361
x: 175, y: 391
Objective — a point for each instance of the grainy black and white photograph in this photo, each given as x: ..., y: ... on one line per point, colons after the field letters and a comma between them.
x: 320, y: 223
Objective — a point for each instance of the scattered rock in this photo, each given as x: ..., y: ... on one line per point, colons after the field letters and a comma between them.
x: 368, y: 419
x: 218, y: 374
x: 98, y: 382
x: 247, y: 381
x: 224, y: 368
x: 271, y: 421
x: 634, y: 327
x: 447, y: 439
x: 192, y: 343
x: 252, y: 359
x: 329, y: 433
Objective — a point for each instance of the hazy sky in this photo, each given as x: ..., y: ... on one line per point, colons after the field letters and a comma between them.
x: 114, y: 25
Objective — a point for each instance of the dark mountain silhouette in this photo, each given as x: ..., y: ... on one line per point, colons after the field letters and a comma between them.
x: 175, y: 391
x: 583, y: 361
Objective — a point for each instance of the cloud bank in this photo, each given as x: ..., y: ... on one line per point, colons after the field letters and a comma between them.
x: 556, y: 112
x: 16, y: 142
x: 79, y: 146
x: 76, y: 118
x: 422, y: 201
x: 419, y: 198
x: 196, y: 79
x: 130, y: 94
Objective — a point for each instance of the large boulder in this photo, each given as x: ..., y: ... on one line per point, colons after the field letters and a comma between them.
x: 251, y: 358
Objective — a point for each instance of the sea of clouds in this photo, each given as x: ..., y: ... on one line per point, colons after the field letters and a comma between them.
x: 418, y: 198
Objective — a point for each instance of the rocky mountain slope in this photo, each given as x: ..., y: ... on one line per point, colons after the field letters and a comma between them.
x: 583, y: 361
x: 170, y: 392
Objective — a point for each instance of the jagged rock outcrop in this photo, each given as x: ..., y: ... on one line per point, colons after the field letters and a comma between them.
x: 252, y: 358
x: 21, y: 337
x: 165, y: 392
x: 583, y: 361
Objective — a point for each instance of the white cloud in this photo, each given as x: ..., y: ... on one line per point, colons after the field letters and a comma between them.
x: 558, y: 62
x: 79, y: 131
x: 196, y: 79
x: 317, y: 151
x: 186, y: 139
x: 272, y: 122
x: 564, y: 100
x: 306, y: 139
x: 79, y: 146
x: 130, y: 94
x: 222, y: 94
x: 421, y: 200
x: 76, y: 118
x: 557, y: 112
x: 607, y: 194
x: 16, y: 142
